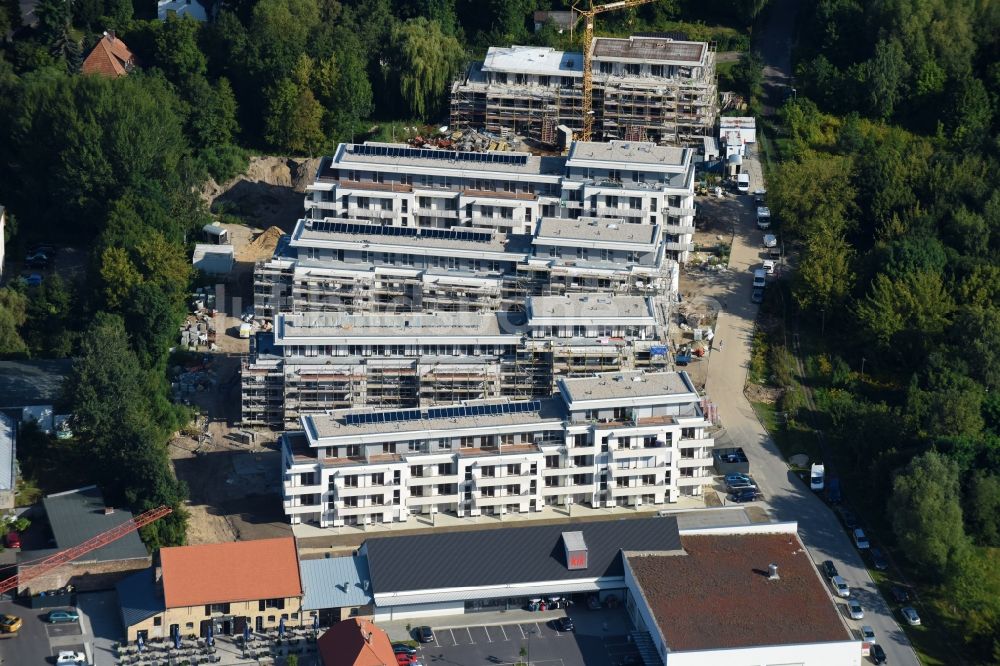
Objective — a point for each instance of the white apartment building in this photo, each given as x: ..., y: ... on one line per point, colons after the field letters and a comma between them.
x: 336, y: 265
x: 644, y: 88
x: 318, y: 361
x: 622, y: 181
x: 613, y: 439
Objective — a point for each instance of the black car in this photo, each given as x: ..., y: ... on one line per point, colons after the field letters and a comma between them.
x: 745, y: 495
x: 878, y: 559
x: 829, y: 569
x: 900, y: 594
x: 850, y: 520
x: 425, y: 635
x: 403, y: 648
x: 565, y: 624
x: 877, y: 654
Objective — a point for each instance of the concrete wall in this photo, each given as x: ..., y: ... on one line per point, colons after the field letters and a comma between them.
x: 842, y: 653
x: 84, y: 576
x: 410, y: 611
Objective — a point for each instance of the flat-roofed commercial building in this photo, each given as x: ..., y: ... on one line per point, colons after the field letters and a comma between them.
x: 319, y: 361
x: 743, y: 596
x: 644, y: 88
x: 615, y: 439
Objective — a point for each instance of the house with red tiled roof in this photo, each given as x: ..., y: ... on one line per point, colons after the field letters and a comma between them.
x: 109, y: 58
x: 356, y: 642
x: 225, y: 586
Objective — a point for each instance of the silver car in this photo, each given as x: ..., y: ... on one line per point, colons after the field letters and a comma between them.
x: 910, y: 613
x: 855, y: 609
x: 840, y: 586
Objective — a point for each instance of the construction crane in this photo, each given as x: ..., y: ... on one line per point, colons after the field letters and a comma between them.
x: 39, y: 567
x: 588, y: 37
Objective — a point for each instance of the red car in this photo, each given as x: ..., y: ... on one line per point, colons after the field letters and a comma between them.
x: 403, y: 659
x: 13, y: 539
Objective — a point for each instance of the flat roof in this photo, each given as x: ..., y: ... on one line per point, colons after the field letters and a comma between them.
x: 718, y: 595
x: 37, y: 382
x: 635, y: 384
x: 78, y: 515
x: 533, y: 60
x: 591, y: 229
x: 338, y: 230
x: 229, y: 572
x: 737, y: 122
x: 7, y: 452
x: 511, y: 555
x: 401, y: 154
x: 290, y: 327
x: 650, y: 49
x: 632, y: 152
x: 350, y: 424
x: 589, y: 306
x: 335, y: 582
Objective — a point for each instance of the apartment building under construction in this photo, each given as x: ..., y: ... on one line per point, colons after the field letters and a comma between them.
x: 645, y: 89
x: 314, y: 362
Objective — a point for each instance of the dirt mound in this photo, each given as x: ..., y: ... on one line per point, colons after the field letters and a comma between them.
x: 261, y: 247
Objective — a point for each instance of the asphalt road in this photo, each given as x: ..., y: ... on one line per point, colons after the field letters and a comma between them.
x: 788, y: 498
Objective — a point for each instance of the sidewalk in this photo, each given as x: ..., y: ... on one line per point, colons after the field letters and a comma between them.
x: 612, y: 622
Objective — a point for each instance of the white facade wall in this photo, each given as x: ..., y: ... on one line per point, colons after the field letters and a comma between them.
x: 842, y: 653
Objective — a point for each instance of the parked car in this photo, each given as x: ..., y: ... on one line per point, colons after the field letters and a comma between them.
x: 817, y: 474
x: 425, y: 635
x: 770, y: 240
x: 403, y: 648
x: 759, y: 278
x: 840, y: 586
x: 868, y: 634
x: 71, y: 658
x: 757, y: 295
x: 910, y: 613
x: 878, y: 654
x: 758, y: 197
x: 9, y: 624
x: 593, y: 602
x: 850, y: 520
x: 763, y: 217
x: 60, y: 616
x: 565, y: 623
x: 833, y: 490
x: 855, y: 609
x: 37, y: 261
x: 860, y: 540
x: 735, y: 478
x: 32, y: 279
x: 829, y: 569
x: 768, y: 266
x: 900, y: 594
x: 744, y: 495
x: 878, y: 559
x: 13, y: 539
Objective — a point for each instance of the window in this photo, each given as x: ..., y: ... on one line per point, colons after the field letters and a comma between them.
x: 552, y: 462
x: 217, y: 608
x: 267, y: 604
x: 351, y: 481
x: 378, y: 479
x: 157, y: 621
x: 189, y: 625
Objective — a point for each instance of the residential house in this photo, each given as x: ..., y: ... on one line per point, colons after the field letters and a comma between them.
x: 110, y: 57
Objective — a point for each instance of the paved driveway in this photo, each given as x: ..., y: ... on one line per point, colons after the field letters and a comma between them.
x: 788, y: 498
x: 38, y: 641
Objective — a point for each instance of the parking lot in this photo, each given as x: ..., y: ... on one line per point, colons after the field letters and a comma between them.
x: 540, y: 642
x: 38, y: 641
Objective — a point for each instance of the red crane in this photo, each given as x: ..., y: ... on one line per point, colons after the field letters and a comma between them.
x: 37, y: 568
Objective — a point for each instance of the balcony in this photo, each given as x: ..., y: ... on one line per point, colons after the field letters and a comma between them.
x: 679, y: 212
x: 437, y: 212
x: 617, y: 472
x: 679, y: 229
x: 362, y: 510
x: 295, y: 491
x: 688, y: 481
x: 680, y: 247
x: 299, y: 509
x: 492, y: 221
x: 359, y: 491
x: 428, y: 500
x: 502, y: 480
x: 688, y: 463
x: 633, y: 491
x: 500, y: 500
x: 661, y: 454
x: 370, y: 213
x: 432, y: 479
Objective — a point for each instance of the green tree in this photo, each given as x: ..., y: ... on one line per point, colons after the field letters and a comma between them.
x: 926, y: 515
x: 294, y: 120
x: 883, y: 78
x: 352, y: 91
x: 176, y: 49
x: 824, y: 276
x: 813, y: 193
x: 916, y: 305
x: 967, y: 113
x: 748, y: 74
x: 982, y: 508
x: 12, y: 316
x: 212, y: 122
x: 428, y: 59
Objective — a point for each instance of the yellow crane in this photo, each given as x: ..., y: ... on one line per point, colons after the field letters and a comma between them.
x: 588, y: 37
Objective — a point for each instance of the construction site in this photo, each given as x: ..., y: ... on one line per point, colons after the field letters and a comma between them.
x: 642, y: 89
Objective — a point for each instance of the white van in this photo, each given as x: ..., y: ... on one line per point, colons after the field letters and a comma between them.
x: 759, y: 278
x: 816, y: 476
x: 743, y: 182
x: 763, y: 217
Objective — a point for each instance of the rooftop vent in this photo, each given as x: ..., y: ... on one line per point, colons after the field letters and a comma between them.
x: 772, y: 572
x: 108, y: 510
x: 576, y: 550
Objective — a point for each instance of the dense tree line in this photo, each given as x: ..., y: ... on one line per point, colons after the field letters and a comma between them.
x: 887, y: 191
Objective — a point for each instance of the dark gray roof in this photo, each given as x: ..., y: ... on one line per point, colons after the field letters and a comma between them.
x: 26, y: 383
x: 139, y: 597
x: 511, y: 554
x: 78, y: 515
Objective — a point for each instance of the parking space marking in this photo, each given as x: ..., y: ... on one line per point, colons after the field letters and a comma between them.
x: 504, y: 633
x: 539, y: 630
x: 487, y: 631
x: 468, y: 630
x: 454, y: 642
x: 522, y: 631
